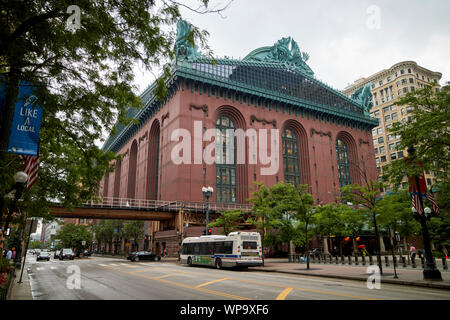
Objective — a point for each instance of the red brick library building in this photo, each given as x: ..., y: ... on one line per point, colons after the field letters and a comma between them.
x: 324, y: 138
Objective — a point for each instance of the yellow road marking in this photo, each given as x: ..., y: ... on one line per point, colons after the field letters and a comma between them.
x: 284, y: 293
x: 210, y: 282
x: 222, y: 294
x: 168, y: 275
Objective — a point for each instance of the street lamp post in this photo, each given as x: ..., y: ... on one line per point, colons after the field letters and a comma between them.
x: 207, y: 192
x: 430, y: 272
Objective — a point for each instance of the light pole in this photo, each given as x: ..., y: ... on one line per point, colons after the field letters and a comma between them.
x: 430, y: 272
x: 207, y: 192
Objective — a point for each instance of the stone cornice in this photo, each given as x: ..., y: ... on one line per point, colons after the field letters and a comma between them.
x: 253, y: 118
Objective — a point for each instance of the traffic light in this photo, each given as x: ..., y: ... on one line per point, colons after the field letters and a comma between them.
x: 209, y: 231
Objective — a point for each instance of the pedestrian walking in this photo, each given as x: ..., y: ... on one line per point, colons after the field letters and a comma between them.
x: 412, y: 251
x: 164, y: 253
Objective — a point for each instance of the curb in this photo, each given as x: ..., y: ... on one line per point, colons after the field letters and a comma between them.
x: 403, y: 282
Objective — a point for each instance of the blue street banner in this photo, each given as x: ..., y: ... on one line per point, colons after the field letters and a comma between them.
x: 26, y: 125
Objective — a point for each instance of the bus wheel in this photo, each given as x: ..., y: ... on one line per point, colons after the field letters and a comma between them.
x: 218, y: 264
x: 189, y: 262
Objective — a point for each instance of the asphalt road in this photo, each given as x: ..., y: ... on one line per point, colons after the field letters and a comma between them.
x: 107, y: 278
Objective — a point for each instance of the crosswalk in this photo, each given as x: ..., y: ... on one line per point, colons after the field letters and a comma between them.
x: 43, y: 267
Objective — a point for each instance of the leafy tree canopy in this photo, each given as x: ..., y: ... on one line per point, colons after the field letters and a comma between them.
x: 85, y: 81
x: 229, y: 221
x: 72, y: 236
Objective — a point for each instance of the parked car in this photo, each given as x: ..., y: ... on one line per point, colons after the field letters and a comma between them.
x: 43, y: 256
x: 143, y: 255
x: 86, y: 253
x: 56, y: 254
x: 66, y: 254
x: 36, y: 251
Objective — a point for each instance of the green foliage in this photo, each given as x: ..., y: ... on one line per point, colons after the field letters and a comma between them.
x: 228, y: 220
x: 429, y: 134
x: 105, y: 230
x: 338, y: 219
x: 133, y: 230
x: 35, y: 244
x: 72, y: 235
x: 394, y: 212
x: 85, y: 79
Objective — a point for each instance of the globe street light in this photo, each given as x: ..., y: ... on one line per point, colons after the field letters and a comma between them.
x: 207, y: 192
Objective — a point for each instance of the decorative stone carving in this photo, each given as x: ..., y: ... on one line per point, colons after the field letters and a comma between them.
x: 321, y: 133
x: 164, y: 117
x: 361, y: 141
x: 253, y: 118
x: 126, y: 153
x: 185, y: 48
x: 203, y: 107
x: 143, y: 137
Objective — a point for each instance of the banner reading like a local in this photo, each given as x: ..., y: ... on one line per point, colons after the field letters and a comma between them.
x: 26, y: 125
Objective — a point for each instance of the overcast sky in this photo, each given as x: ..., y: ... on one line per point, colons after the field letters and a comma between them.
x: 342, y: 37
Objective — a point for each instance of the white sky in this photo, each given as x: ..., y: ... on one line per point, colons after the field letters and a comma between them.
x: 336, y: 34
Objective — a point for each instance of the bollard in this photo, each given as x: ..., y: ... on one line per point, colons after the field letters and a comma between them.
x: 370, y: 260
x: 313, y: 259
x: 337, y: 260
x: 356, y: 260
x: 363, y: 258
x: 349, y: 260
x: 422, y: 259
x: 413, y: 262
x: 289, y: 258
x: 387, y: 261
x: 444, y: 263
x: 318, y: 258
x: 342, y: 260
x: 394, y: 261
x: 404, y: 262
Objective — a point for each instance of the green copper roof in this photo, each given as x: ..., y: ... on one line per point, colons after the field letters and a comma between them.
x: 278, y: 73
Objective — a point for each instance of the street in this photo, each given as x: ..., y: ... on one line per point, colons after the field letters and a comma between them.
x: 110, y: 279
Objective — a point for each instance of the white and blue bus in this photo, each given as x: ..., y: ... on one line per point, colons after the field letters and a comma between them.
x: 238, y: 249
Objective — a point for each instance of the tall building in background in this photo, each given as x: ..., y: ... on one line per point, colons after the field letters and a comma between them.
x: 387, y: 87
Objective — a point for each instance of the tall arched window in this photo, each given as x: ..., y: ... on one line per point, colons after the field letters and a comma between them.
x: 343, y: 163
x: 225, y: 150
x: 290, y: 157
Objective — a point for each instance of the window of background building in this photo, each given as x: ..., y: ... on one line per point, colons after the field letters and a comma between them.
x: 225, y: 173
x: 404, y: 81
x: 378, y: 170
x: 377, y: 160
x: 394, y: 116
x: 375, y: 142
x: 383, y: 158
x: 376, y: 150
x: 374, y: 132
x: 429, y: 181
x: 387, y: 118
x: 409, y: 70
x: 393, y: 107
x: 400, y: 154
x: 413, y: 89
x: 402, y: 71
x: 386, y: 109
x: 392, y: 146
x: 388, y: 79
x: 399, y: 92
x: 382, y: 150
x: 402, y: 110
x: 380, y: 130
x: 381, y: 82
x: 377, y: 113
x: 380, y: 139
x: 411, y: 80
x: 393, y: 156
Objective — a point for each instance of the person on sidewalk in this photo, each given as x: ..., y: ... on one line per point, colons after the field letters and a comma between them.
x: 9, y: 254
x: 164, y: 253
x: 412, y: 251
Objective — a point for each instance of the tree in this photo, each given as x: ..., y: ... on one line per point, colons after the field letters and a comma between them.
x: 394, y: 212
x: 366, y: 196
x: 107, y: 231
x: 229, y: 220
x: 429, y: 134
x: 35, y: 244
x: 72, y: 236
x: 84, y: 79
x: 134, y: 230
x: 340, y: 220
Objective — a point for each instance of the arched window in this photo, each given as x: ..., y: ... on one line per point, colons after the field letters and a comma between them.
x: 343, y: 163
x: 290, y: 157
x: 225, y: 161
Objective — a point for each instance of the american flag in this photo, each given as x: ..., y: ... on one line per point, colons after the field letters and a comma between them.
x: 431, y: 198
x: 31, y: 169
x: 416, y: 202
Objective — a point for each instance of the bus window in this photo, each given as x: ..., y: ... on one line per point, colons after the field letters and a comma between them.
x: 249, y: 245
x: 218, y: 247
x: 210, y: 247
x: 190, y: 248
x: 203, y: 248
x: 228, y: 247
x: 196, y: 248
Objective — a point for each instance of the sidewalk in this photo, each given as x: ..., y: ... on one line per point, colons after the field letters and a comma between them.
x: 412, y: 277
x: 20, y: 291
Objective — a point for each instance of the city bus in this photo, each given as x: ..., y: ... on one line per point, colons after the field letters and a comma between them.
x: 238, y: 249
